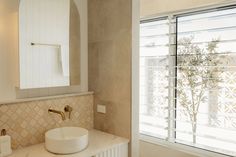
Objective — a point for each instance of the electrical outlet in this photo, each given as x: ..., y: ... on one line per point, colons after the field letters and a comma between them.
x: 101, y: 108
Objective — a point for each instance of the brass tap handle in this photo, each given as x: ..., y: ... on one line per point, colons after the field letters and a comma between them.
x: 68, y: 109
x: 3, y: 132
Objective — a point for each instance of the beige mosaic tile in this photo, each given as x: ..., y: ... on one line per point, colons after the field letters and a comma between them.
x: 27, y: 122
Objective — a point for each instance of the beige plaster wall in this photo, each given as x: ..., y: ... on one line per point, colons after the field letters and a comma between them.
x: 8, y: 48
x: 150, y: 7
x: 151, y: 150
x: 110, y: 63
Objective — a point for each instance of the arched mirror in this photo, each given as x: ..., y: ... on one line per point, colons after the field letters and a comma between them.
x: 49, y: 43
x: 43, y: 48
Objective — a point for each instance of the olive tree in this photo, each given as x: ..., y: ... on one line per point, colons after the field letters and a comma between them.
x: 198, y: 72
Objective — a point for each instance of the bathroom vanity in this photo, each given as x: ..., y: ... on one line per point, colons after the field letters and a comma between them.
x: 100, y: 145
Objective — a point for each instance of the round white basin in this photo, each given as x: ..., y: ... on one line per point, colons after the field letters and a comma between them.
x: 66, y: 140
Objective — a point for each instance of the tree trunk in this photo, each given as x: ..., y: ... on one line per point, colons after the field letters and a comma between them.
x: 194, y: 128
x: 194, y: 132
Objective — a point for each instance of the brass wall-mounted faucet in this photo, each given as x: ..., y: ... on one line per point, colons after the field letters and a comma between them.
x: 58, y: 112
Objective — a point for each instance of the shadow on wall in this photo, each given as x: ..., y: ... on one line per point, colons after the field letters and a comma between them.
x: 74, y: 44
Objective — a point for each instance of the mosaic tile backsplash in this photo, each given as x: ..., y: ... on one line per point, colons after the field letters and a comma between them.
x: 27, y: 122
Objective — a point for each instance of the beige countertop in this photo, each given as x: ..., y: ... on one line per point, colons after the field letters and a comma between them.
x: 98, y: 142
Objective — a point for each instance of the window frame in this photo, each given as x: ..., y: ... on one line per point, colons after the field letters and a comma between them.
x: 169, y: 142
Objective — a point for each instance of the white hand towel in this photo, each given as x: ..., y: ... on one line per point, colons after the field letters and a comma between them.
x: 65, y: 57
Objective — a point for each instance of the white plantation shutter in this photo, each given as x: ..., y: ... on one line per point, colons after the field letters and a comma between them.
x: 166, y: 96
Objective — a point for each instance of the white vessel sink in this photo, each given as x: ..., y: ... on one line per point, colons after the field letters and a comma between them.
x: 66, y: 140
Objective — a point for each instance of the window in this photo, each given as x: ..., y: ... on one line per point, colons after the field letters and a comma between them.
x: 188, y: 79
x: 153, y: 82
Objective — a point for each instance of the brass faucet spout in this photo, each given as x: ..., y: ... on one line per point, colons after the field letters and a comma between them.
x: 58, y: 112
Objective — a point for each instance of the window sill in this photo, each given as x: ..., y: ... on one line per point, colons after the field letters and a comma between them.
x: 180, y: 147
